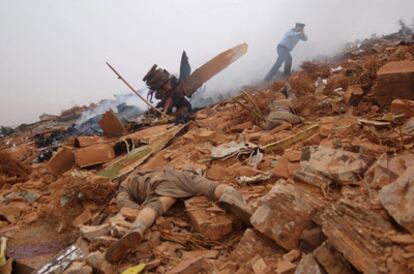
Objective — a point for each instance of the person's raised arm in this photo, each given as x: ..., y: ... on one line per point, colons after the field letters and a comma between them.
x: 303, y: 36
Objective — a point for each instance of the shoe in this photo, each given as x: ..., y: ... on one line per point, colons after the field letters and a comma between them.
x: 232, y: 201
x: 117, y: 250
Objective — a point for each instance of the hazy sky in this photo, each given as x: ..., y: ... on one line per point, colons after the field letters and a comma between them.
x: 53, y: 53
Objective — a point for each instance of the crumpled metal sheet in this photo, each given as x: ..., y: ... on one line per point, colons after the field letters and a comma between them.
x: 255, y: 159
x: 231, y: 149
x: 244, y: 180
x: 136, y: 157
x: 62, y: 261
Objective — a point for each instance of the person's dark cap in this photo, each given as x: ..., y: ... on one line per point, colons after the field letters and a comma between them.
x: 300, y: 25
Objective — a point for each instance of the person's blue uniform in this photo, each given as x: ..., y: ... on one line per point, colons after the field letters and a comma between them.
x: 285, y: 46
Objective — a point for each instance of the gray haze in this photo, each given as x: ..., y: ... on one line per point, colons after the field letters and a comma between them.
x: 53, y: 53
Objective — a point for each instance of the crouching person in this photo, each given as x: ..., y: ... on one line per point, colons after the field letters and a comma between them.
x: 157, y: 191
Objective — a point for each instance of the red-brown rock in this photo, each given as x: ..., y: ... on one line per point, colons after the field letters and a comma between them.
x: 399, y: 106
x: 284, y: 213
x: 208, y: 219
x: 398, y: 199
x: 395, y: 80
x: 193, y: 265
x: 252, y: 244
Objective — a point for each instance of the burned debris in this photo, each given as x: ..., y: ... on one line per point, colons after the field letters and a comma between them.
x: 328, y: 176
x: 172, y: 92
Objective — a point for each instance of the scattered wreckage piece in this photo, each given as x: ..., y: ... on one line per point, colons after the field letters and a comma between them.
x: 61, y: 261
x: 136, y: 157
x: 86, y: 141
x: 291, y: 140
x: 244, y: 180
x: 133, y: 90
x: 172, y: 92
x: 62, y: 161
x: 228, y: 150
x: 285, y: 212
x: 398, y: 199
x: 94, y: 155
x: 212, y: 67
x: 111, y: 125
x: 358, y: 234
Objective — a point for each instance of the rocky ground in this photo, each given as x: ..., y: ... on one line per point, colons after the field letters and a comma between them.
x: 334, y: 194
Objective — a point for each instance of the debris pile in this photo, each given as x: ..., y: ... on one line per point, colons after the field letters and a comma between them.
x: 332, y: 192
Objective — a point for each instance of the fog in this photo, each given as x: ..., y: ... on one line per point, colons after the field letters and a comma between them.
x: 53, y: 53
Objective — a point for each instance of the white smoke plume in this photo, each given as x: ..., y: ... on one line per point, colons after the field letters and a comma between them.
x: 107, y: 104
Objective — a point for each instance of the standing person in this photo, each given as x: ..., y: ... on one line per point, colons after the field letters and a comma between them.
x: 286, y: 45
x: 157, y: 191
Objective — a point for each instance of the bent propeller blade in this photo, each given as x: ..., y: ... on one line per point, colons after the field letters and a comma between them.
x: 212, y: 67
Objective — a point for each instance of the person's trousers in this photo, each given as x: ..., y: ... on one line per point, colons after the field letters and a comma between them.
x: 283, y: 57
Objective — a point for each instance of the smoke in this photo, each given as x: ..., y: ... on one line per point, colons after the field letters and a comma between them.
x: 128, y: 106
x: 53, y: 52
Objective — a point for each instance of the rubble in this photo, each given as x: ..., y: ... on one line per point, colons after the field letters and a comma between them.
x: 343, y: 204
x: 353, y: 95
x: 313, y: 237
x: 92, y: 232
x: 208, y: 219
x: 348, y: 230
x: 285, y: 267
x: 397, y: 198
x: 284, y: 213
x: 308, y: 265
x: 292, y: 255
x: 337, y: 166
x: 192, y: 266
x: 387, y: 168
x: 395, y: 76
x: 406, y: 107
x: 331, y: 260
x: 232, y: 149
x: 251, y: 244
x: 12, y: 170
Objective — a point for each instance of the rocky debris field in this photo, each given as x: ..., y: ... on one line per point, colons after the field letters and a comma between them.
x: 334, y: 194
